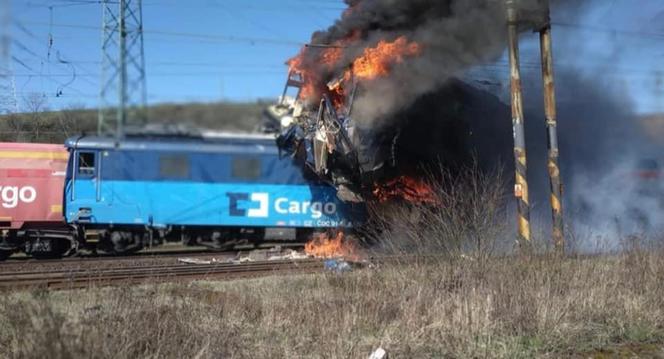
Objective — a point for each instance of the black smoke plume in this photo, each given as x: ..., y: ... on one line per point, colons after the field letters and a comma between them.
x: 422, y: 113
x: 453, y: 35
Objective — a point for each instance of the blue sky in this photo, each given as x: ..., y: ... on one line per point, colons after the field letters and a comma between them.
x: 229, y: 65
x: 179, y: 68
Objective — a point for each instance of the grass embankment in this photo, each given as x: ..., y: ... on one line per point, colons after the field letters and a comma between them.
x: 502, y: 308
x: 468, y: 302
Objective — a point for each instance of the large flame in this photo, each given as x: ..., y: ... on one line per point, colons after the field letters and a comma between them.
x: 331, y: 56
x: 296, y: 65
x: 322, y: 62
x: 377, y: 61
x: 322, y: 67
x: 406, y: 188
x: 324, y: 245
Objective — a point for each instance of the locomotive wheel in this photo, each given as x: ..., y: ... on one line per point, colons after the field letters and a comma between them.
x: 5, y: 254
x: 121, y: 243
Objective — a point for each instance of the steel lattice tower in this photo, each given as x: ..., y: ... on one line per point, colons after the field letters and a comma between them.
x: 8, y: 101
x: 123, y: 91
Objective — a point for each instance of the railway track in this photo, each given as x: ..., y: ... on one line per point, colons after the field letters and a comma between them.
x: 143, y: 258
x: 159, y: 252
x: 72, y: 278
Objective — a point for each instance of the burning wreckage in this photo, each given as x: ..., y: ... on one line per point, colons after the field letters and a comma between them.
x: 374, y: 99
x: 323, y: 138
x: 374, y: 162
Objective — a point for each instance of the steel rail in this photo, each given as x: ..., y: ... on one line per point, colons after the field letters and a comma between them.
x: 156, y: 267
x: 106, y: 261
x: 160, y: 251
x: 66, y: 279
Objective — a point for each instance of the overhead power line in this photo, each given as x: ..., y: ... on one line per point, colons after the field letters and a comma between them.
x: 282, y: 7
x: 608, y: 30
x: 212, y: 37
x: 8, y: 101
x: 167, y: 74
x: 290, y: 42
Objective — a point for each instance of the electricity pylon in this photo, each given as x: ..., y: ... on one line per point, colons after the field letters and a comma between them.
x: 123, y: 90
x: 8, y: 101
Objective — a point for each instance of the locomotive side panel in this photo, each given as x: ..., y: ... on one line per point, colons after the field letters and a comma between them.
x: 241, y: 186
x: 161, y: 204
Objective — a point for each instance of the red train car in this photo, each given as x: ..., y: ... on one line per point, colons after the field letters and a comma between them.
x: 31, y: 189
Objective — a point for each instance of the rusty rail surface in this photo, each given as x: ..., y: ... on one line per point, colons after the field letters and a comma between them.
x: 71, y: 278
x: 158, y: 252
x: 81, y: 262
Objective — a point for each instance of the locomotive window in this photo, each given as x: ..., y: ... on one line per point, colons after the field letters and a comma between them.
x: 174, y: 166
x: 246, y: 168
x: 86, y: 163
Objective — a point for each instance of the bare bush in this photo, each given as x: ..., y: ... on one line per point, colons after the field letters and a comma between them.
x: 468, y: 218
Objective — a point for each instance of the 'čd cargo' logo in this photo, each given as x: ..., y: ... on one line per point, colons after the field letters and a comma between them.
x: 262, y: 199
x: 11, y: 196
x: 257, y: 205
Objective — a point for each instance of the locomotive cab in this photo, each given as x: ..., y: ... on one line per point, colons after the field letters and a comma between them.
x: 83, y: 182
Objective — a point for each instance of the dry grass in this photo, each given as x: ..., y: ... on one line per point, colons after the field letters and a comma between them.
x: 465, y: 303
x: 510, y: 308
x: 471, y: 219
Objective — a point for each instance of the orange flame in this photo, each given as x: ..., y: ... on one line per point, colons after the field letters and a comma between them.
x: 331, y: 56
x: 407, y: 188
x: 326, y: 59
x: 323, y: 245
x: 377, y: 61
x: 296, y: 65
x: 374, y: 62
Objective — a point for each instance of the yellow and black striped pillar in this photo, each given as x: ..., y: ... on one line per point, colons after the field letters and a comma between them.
x: 521, y: 183
x: 552, y: 138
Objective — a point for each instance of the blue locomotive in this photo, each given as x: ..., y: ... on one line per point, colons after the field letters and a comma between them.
x: 201, y: 190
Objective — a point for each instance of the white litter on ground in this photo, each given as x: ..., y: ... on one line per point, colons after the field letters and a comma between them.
x: 379, y: 353
x: 280, y: 256
x: 290, y: 254
x: 197, y: 260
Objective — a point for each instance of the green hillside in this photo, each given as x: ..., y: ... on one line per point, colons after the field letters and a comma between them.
x: 55, y: 126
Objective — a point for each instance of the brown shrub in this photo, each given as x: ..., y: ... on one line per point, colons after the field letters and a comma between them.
x: 470, y: 219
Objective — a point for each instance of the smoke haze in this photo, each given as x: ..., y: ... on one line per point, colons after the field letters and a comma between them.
x: 604, y: 146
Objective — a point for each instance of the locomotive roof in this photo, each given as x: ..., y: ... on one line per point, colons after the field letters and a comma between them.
x: 207, y: 142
